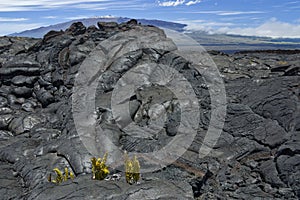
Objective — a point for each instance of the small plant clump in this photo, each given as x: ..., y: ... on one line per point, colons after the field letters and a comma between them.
x: 132, y: 169
x: 282, y: 63
x: 60, y: 177
x: 99, y: 168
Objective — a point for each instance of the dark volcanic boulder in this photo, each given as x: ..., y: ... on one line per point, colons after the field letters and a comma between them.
x: 45, y: 97
x: 76, y: 29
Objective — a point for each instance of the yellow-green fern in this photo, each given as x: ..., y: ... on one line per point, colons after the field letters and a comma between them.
x: 132, y: 169
x: 99, y: 168
x: 60, y: 177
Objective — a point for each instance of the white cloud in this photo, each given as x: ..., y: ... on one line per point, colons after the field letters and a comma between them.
x: 226, y: 12
x: 236, y: 18
x: 29, y: 5
x: 178, y: 3
x: 193, y: 2
x: 239, y: 13
x: 112, y: 5
x: 50, y: 17
x: 78, y: 17
x: 89, y: 16
x: 171, y: 3
x: 106, y: 16
x: 17, y: 27
x: 272, y: 28
x: 8, y: 19
x: 90, y: 6
x: 202, y: 25
x: 292, y: 2
x: 206, y: 12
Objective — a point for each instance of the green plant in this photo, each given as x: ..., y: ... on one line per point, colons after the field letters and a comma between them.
x: 60, y: 177
x: 282, y: 62
x: 99, y: 168
x: 132, y: 169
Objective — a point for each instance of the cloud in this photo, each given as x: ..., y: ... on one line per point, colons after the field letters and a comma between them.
x: 130, y: 5
x: 50, y: 17
x: 272, y: 28
x: 107, y: 16
x: 171, y: 3
x: 89, y: 16
x: 239, y: 13
x: 78, y: 17
x: 112, y: 5
x: 178, y: 3
x: 8, y: 28
x: 7, y: 19
x: 292, y: 2
x: 237, y: 18
x: 31, y: 5
x: 226, y: 12
x: 204, y: 25
x: 193, y: 2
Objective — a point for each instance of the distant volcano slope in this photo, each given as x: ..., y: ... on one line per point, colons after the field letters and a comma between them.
x: 40, y: 32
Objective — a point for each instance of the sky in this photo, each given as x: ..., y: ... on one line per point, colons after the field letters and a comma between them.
x: 273, y: 18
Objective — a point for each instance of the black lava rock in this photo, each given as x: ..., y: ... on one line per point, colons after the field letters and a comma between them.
x: 46, y: 117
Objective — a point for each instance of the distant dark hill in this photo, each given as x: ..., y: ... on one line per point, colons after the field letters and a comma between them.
x: 40, y: 32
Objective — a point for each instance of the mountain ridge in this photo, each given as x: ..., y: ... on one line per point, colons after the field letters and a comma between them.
x: 41, y: 31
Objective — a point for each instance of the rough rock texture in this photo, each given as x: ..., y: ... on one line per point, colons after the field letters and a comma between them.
x: 256, y: 157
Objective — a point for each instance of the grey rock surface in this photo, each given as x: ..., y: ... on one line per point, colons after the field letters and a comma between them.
x: 257, y: 155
